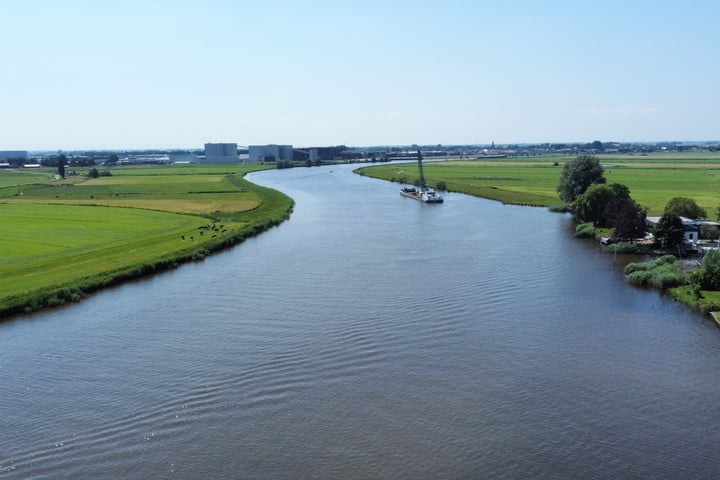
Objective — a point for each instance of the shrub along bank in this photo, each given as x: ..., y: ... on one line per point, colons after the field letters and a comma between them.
x: 697, y: 290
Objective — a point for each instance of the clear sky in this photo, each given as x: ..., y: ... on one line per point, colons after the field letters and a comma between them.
x: 176, y: 74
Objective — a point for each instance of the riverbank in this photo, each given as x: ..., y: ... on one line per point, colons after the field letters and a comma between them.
x: 337, y: 347
x: 533, y: 182
x: 666, y: 273
x: 66, y: 239
x: 652, y: 180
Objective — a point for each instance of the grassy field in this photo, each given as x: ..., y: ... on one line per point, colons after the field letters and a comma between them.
x: 652, y: 179
x: 12, y: 177
x: 64, y: 238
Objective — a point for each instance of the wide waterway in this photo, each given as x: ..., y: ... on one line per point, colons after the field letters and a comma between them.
x: 370, y: 336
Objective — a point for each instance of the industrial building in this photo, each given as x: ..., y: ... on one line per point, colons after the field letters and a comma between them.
x: 13, y: 155
x: 326, y: 154
x: 270, y: 153
x: 220, y: 153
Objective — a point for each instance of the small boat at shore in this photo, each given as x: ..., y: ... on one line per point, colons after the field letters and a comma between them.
x: 428, y: 196
x: 423, y: 193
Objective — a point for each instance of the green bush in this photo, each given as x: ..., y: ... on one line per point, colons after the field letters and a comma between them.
x: 663, y: 273
x: 585, y: 230
x: 665, y: 260
x: 562, y: 208
x: 711, y: 265
x: 640, y: 278
x: 623, y: 247
x: 638, y: 267
x: 200, y: 254
x: 697, y: 277
x: 664, y: 278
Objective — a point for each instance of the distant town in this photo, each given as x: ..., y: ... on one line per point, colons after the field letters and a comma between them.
x: 288, y: 155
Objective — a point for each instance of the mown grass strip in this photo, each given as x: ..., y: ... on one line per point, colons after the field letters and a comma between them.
x: 652, y: 180
x: 58, y: 245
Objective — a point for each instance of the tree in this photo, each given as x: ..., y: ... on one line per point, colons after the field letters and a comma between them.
x: 711, y: 265
x: 61, y: 165
x: 591, y: 205
x: 684, y: 207
x: 669, y: 230
x: 709, y: 232
x: 93, y: 173
x: 578, y: 175
x: 626, y: 217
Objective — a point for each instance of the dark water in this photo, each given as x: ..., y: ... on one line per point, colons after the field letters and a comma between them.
x: 370, y: 336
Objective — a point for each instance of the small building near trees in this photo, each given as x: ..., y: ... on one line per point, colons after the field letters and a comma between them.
x: 691, y: 228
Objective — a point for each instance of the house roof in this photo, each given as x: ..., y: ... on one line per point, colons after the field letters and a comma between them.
x: 688, y: 222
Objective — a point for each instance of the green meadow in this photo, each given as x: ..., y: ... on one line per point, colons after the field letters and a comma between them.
x: 22, y: 176
x: 62, y: 239
x: 652, y: 179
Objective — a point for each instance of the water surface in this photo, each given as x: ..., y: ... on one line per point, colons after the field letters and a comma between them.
x: 370, y: 336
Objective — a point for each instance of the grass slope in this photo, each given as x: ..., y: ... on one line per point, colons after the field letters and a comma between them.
x: 63, y: 239
x: 652, y: 179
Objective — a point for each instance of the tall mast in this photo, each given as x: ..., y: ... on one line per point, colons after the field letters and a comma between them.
x: 423, y: 185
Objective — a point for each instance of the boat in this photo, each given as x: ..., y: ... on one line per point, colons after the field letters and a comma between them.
x: 428, y: 195
x: 423, y: 193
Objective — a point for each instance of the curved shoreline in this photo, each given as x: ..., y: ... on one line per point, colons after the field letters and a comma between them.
x: 275, y: 207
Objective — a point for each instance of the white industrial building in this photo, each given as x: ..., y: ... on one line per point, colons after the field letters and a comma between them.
x: 270, y: 153
x: 221, y: 153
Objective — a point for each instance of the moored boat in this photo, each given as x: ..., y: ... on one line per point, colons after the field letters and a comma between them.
x: 424, y: 193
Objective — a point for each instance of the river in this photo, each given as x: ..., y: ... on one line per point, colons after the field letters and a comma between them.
x: 369, y: 336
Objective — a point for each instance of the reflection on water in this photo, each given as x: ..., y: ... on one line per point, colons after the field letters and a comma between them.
x: 370, y: 336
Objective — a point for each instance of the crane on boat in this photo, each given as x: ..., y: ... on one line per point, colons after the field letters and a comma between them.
x: 424, y: 192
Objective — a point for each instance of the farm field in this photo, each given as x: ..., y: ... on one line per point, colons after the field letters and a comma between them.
x: 652, y: 179
x: 64, y: 238
x: 12, y: 177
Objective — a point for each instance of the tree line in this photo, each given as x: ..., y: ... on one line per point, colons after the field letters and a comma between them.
x: 595, y: 203
x: 592, y: 200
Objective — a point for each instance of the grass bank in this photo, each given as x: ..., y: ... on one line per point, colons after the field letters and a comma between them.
x: 704, y: 301
x: 652, y: 179
x: 64, y: 239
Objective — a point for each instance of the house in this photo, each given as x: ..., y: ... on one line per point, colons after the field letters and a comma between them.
x: 691, y: 228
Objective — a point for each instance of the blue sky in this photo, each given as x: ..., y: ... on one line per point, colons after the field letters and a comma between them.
x: 165, y: 74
